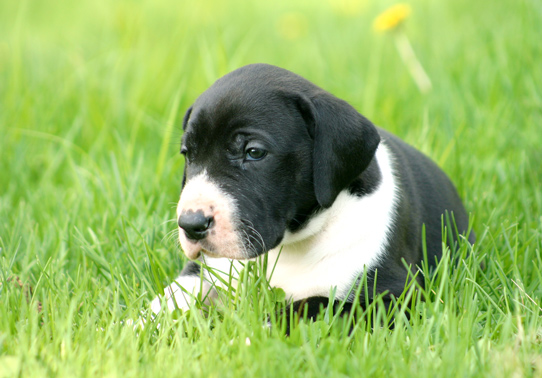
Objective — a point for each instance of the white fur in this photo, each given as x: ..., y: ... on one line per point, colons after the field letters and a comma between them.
x: 176, y: 297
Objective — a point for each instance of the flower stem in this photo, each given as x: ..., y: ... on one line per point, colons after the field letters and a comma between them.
x: 413, y: 64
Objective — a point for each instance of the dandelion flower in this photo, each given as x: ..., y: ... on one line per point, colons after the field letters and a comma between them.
x: 392, y: 17
x: 390, y: 20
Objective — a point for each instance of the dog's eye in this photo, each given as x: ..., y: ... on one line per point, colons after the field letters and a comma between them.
x: 255, y: 154
x: 184, y: 152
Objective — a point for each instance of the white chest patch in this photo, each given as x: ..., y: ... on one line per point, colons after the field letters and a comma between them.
x: 337, y: 244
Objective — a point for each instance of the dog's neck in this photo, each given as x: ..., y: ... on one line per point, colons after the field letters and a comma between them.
x: 310, y: 222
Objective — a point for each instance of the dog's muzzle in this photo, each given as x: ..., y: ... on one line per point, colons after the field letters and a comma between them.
x: 208, y: 219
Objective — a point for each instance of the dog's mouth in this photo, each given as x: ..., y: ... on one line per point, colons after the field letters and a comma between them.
x: 243, y: 243
x: 193, y: 249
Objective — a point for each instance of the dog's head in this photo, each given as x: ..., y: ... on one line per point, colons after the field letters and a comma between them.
x: 264, y: 150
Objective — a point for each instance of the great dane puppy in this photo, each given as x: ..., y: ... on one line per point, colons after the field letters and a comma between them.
x: 275, y: 164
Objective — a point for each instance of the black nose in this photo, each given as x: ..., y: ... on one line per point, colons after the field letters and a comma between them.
x: 195, y: 224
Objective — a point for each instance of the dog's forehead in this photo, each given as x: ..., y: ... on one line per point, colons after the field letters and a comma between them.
x: 220, y: 118
x: 219, y: 115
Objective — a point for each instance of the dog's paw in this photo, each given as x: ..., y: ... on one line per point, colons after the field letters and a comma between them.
x: 182, y: 294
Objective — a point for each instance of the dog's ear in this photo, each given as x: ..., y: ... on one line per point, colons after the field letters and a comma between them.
x: 345, y: 142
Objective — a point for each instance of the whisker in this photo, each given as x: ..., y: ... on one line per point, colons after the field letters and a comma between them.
x: 168, y: 221
x: 253, y: 235
x: 173, y: 234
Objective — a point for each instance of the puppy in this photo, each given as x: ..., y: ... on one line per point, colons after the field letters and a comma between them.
x: 275, y: 164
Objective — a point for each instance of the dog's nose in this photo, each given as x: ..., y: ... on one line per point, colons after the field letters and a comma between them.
x: 195, y: 224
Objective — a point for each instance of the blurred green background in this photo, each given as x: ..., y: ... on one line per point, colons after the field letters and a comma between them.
x: 92, y: 94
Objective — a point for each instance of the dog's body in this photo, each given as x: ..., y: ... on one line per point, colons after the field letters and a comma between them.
x: 276, y: 165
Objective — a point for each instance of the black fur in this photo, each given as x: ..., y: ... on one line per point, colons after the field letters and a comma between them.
x: 367, y: 182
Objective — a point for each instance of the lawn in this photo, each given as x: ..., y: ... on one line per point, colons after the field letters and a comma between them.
x: 92, y: 94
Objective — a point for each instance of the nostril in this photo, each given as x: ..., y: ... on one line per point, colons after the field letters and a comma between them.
x: 210, y: 221
x: 195, y: 224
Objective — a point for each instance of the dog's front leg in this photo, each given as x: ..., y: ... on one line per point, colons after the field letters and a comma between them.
x: 183, y: 292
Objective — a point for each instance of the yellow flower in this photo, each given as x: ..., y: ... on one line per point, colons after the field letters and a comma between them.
x: 392, y: 17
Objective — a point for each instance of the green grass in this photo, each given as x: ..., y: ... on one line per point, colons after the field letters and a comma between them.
x: 91, y: 98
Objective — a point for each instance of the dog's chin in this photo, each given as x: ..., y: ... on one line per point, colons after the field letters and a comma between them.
x: 232, y: 250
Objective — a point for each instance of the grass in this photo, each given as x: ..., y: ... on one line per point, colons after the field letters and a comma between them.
x: 91, y: 98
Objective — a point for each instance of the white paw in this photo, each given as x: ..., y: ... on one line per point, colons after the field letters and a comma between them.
x: 181, y: 294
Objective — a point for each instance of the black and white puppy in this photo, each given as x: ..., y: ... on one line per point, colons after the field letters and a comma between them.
x: 276, y: 165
